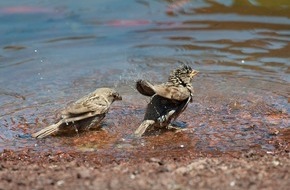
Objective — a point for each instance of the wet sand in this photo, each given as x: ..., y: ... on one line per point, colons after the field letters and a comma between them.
x: 244, y: 152
x: 252, y: 169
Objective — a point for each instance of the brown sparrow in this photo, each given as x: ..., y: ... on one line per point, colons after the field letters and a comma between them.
x: 168, y: 100
x: 85, y: 113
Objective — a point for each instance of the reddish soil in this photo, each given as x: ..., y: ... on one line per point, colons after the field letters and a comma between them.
x: 244, y: 145
x: 171, y: 169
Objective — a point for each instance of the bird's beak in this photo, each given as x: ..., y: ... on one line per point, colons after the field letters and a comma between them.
x: 193, y: 73
x: 118, y: 97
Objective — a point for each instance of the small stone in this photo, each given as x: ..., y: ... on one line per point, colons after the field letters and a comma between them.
x: 84, y: 173
x: 275, y: 163
x: 273, y: 132
x: 60, y: 182
x: 132, y: 176
x: 154, y: 160
x: 53, y: 166
x: 224, y: 168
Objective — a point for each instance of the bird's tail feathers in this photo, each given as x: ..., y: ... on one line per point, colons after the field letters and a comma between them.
x: 47, y: 131
x: 143, y: 127
x: 144, y: 87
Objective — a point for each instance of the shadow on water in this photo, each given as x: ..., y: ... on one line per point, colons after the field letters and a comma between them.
x: 241, y: 99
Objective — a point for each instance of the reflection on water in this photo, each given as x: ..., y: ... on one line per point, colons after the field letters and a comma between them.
x: 63, y: 51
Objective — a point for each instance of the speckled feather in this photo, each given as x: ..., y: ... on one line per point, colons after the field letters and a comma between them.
x: 178, y: 87
x: 168, y: 100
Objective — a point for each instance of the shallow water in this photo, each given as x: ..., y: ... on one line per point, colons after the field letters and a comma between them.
x: 52, y: 53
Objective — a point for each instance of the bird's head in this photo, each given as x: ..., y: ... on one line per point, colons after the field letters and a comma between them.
x: 183, y: 75
x: 110, y: 93
x: 116, y: 96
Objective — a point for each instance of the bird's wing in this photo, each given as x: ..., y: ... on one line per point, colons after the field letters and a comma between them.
x: 95, y: 103
x: 145, y: 87
x: 181, y: 108
x: 178, y: 93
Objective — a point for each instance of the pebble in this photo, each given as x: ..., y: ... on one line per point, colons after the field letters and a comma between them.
x: 132, y: 176
x: 60, y: 182
x: 84, y: 173
x: 275, y: 163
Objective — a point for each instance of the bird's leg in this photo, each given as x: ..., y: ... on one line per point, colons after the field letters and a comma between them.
x: 76, y: 129
x: 177, y: 126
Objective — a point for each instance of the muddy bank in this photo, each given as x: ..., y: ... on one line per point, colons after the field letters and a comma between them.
x: 92, y: 170
x: 179, y: 168
x: 234, y: 139
x: 232, y: 143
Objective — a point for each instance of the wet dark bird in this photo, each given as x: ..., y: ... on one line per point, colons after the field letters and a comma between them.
x: 85, y: 113
x: 168, y: 100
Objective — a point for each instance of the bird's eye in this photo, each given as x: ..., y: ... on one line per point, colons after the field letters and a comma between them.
x: 117, y: 96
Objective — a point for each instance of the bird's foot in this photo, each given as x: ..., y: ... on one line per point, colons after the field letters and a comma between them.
x: 177, y: 126
x: 176, y: 129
